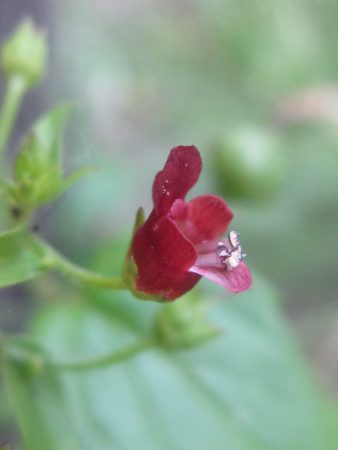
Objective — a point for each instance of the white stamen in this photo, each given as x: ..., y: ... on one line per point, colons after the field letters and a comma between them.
x: 230, y: 257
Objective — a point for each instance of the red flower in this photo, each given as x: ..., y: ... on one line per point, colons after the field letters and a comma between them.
x: 180, y: 241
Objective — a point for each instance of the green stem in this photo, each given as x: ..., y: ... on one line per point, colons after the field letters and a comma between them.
x: 106, y: 360
x: 38, y: 362
x: 54, y: 260
x: 15, y: 90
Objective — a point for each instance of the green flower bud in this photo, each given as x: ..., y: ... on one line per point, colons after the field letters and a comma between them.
x: 248, y: 164
x: 184, y: 323
x: 24, y: 54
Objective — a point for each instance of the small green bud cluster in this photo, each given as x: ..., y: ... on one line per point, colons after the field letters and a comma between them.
x: 38, y: 173
x: 184, y: 324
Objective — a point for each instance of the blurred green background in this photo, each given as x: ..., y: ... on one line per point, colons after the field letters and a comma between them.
x: 253, y: 84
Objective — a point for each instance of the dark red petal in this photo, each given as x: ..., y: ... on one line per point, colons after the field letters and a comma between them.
x: 171, y: 246
x: 179, y: 174
x: 163, y: 258
x: 168, y: 285
x: 203, y: 219
x: 236, y: 280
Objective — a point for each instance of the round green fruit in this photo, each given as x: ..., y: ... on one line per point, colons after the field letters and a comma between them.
x: 248, y: 164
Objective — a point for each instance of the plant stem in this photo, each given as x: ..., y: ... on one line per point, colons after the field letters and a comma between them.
x: 40, y: 362
x: 76, y: 272
x: 104, y: 361
x: 54, y: 260
x: 15, y: 90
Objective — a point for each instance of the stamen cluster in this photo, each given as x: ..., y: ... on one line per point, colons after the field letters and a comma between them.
x: 231, y: 253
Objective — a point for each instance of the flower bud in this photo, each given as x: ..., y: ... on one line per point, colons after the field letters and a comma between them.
x: 248, y: 164
x: 184, y: 324
x: 24, y: 54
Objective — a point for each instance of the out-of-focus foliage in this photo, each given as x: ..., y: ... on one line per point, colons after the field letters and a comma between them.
x: 18, y: 261
x: 152, y: 75
x: 247, y: 389
x: 248, y: 164
x: 164, y: 74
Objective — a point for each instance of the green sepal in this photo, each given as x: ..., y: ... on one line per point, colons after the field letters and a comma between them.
x: 42, y: 147
x: 30, y: 193
x: 38, y: 173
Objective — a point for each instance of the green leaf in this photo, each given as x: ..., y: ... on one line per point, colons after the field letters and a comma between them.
x: 18, y: 260
x: 26, y: 388
x: 42, y: 148
x: 247, y: 390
